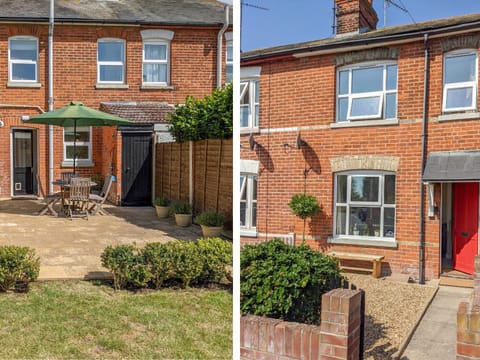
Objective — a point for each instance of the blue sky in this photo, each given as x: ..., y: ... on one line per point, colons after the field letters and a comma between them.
x: 291, y: 21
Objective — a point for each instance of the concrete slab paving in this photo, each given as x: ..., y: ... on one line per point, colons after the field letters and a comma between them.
x: 71, y: 249
x: 436, y: 335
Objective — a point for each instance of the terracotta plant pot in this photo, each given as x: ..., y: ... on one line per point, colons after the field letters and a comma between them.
x: 162, y: 211
x: 211, y: 231
x: 183, y: 219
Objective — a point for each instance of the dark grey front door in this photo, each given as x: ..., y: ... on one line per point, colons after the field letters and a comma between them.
x: 136, y: 168
x: 23, y: 160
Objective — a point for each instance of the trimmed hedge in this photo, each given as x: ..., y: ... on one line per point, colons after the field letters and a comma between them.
x: 194, y: 262
x: 285, y: 282
x: 18, y: 267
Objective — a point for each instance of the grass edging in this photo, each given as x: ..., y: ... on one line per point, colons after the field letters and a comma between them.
x: 407, y: 338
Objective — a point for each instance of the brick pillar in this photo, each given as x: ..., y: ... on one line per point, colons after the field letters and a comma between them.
x: 340, y: 324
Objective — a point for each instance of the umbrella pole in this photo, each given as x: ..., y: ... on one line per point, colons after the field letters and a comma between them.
x: 74, y: 144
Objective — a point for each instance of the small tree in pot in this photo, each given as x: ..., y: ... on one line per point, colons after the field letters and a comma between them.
x: 162, y: 206
x: 211, y: 222
x: 183, y: 213
x: 304, y: 206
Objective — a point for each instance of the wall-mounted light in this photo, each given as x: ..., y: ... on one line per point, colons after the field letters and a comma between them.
x: 298, y: 143
x: 25, y: 117
x: 2, y: 124
x: 251, y: 142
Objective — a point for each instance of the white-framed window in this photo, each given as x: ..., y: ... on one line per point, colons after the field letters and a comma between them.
x: 460, y: 80
x: 23, y: 59
x: 365, y: 205
x: 156, y: 57
x: 248, y: 202
x: 249, y: 103
x: 111, y: 61
x: 367, y: 92
x: 228, y: 57
x: 83, y: 144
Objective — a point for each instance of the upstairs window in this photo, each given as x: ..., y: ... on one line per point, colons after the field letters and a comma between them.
x: 365, y: 205
x: 111, y: 61
x: 23, y: 59
x: 156, y: 57
x: 460, y: 81
x: 367, y: 92
x: 249, y: 104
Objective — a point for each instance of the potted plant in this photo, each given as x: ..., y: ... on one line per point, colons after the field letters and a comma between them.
x: 183, y: 213
x: 162, y: 206
x: 304, y: 206
x: 211, y: 223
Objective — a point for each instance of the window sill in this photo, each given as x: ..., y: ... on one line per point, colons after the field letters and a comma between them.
x: 111, y: 86
x: 20, y: 84
x: 248, y: 233
x: 255, y: 130
x: 156, y: 87
x: 78, y: 164
x: 361, y: 123
x: 352, y: 240
x: 459, y: 116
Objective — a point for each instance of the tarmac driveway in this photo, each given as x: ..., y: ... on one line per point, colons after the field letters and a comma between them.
x: 70, y: 249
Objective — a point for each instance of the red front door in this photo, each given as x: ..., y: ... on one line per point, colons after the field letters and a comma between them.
x: 465, y: 226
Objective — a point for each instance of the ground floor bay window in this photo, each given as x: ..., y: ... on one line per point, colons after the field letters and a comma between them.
x: 365, y: 205
x: 248, y: 204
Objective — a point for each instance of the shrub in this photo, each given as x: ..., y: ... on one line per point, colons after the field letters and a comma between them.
x: 286, y: 282
x: 216, y: 255
x: 187, y: 261
x: 159, y: 259
x: 18, y: 264
x: 210, y: 218
x: 127, y: 266
x: 161, y: 201
x: 181, y: 207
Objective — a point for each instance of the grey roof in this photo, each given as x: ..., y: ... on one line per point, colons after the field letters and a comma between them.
x: 452, y: 166
x: 390, y: 33
x: 140, y: 112
x: 182, y: 12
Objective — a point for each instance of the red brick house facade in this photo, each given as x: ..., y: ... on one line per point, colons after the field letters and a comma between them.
x: 108, y: 55
x: 382, y: 127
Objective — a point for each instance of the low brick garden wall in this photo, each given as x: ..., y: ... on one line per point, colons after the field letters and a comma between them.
x: 338, y: 336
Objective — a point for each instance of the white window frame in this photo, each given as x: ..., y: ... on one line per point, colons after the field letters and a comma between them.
x: 380, y: 114
x: 78, y: 143
x: 248, y: 229
x: 228, y: 63
x: 253, y: 86
x: 111, y: 63
x: 460, y: 85
x: 378, y: 204
x: 161, y: 62
x: 11, y: 61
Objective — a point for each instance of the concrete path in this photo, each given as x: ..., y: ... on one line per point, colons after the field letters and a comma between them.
x: 71, y: 249
x: 436, y: 335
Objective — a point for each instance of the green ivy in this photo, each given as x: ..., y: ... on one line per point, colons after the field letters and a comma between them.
x: 207, y: 118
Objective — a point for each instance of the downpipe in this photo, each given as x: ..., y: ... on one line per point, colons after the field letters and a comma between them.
x: 50, y: 95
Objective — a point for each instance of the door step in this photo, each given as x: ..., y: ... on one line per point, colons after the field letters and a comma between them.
x: 456, y: 281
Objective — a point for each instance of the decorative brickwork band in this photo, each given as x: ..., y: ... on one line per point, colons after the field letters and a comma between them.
x: 367, y: 55
x: 337, y: 337
x: 461, y: 42
x: 367, y: 162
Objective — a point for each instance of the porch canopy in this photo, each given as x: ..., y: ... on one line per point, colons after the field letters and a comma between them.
x: 452, y: 166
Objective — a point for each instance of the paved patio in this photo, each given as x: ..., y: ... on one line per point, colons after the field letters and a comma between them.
x: 70, y: 249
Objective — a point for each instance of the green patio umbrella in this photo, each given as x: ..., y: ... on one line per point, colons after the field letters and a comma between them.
x: 76, y: 114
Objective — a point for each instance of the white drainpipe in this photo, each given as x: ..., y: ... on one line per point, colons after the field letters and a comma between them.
x: 50, y: 94
x: 220, y: 54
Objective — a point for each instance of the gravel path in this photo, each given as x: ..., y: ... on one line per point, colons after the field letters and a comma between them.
x: 391, y: 309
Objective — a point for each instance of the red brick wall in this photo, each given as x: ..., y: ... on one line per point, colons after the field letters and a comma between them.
x: 338, y: 336
x: 192, y: 72
x: 300, y: 94
x: 353, y: 15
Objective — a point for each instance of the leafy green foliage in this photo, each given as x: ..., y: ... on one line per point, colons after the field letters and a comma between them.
x: 210, y: 218
x: 286, y: 282
x: 181, y: 207
x: 217, y: 254
x: 207, y: 118
x: 18, y: 264
x: 304, y: 206
x: 161, y: 201
x: 194, y: 262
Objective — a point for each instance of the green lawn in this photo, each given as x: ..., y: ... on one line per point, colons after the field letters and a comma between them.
x: 77, y: 319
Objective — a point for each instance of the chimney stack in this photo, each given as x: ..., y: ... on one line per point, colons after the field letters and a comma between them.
x: 355, y: 16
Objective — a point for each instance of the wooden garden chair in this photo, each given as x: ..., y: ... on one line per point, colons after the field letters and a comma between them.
x: 98, y: 200
x: 48, y: 200
x: 78, y: 198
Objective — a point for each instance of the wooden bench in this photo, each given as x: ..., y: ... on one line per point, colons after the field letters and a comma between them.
x: 376, y: 261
